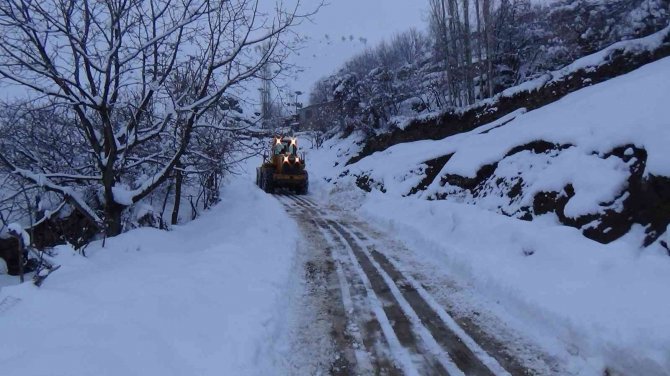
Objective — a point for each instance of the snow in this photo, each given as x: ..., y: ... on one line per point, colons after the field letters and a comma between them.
x: 648, y: 43
x: 209, y: 297
x: 595, y: 181
x: 397, y: 166
x: 122, y: 195
x: 608, y: 301
x: 590, y: 305
x: 203, y: 299
x: 630, y: 109
x: 17, y: 229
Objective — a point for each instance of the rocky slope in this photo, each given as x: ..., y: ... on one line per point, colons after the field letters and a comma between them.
x: 583, y: 147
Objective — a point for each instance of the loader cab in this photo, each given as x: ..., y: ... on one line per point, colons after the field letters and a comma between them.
x: 278, y: 148
x: 285, y: 145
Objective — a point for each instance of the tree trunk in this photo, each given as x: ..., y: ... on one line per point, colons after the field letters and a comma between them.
x: 467, y: 52
x: 113, y: 209
x: 179, y: 179
x: 165, y: 200
x: 438, y: 9
x: 488, y: 45
x: 21, y: 247
x: 113, y: 213
x: 480, y: 41
x: 479, y: 31
x: 455, y: 56
x: 444, y: 30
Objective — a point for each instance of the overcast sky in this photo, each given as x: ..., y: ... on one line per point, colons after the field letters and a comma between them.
x: 361, y: 23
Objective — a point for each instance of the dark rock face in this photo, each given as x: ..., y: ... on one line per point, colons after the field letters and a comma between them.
x: 471, y: 184
x: 366, y: 183
x: 433, y: 168
x: 453, y: 122
x: 75, y: 229
x: 9, y: 251
x: 537, y: 147
x: 553, y: 202
x: 644, y: 201
x: 654, y: 206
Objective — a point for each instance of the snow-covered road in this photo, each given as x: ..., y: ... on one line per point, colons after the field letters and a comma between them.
x: 383, y: 319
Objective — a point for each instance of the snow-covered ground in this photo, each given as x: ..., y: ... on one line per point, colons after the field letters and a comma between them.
x: 607, y: 304
x: 631, y: 109
x: 585, y: 126
x: 603, y: 305
x: 221, y: 295
x: 204, y: 299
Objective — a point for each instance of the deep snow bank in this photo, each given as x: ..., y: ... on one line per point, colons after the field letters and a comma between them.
x: 200, y: 300
x: 598, y: 159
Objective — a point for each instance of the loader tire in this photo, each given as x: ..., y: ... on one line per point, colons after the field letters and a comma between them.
x: 304, y: 189
x: 268, y: 185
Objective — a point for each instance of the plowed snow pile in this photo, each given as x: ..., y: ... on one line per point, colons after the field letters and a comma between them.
x: 204, y: 299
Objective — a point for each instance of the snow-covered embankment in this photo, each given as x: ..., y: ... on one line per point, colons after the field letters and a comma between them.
x: 596, y: 160
x: 204, y: 299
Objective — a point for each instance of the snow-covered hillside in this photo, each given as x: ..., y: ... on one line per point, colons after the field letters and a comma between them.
x: 597, y: 158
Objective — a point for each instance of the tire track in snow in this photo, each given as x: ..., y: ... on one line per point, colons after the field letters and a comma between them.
x: 398, y: 328
x: 466, y: 353
x: 362, y: 357
x: 496, y: 355
x: 431, y: 341
x: 365, y: 341
x: 373, y: 338
x: 405, y: 346
x: 325, y: 293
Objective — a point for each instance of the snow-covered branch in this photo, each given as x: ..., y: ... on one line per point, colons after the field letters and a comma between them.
x: 46, y: 183
x: 135, y: 88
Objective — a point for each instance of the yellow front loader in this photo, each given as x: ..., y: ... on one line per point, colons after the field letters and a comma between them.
x: 283, y: 167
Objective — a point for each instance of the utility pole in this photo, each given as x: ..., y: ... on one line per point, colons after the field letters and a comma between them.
x: 266, y: 91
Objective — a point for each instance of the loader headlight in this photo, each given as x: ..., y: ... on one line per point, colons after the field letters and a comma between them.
x: 285, y: 159
x: 297, y: 160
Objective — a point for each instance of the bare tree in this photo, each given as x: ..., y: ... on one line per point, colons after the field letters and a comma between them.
x: 467, y: 52
x: 488, y: 44
x: 409, y: 46
x: 108, y: 68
